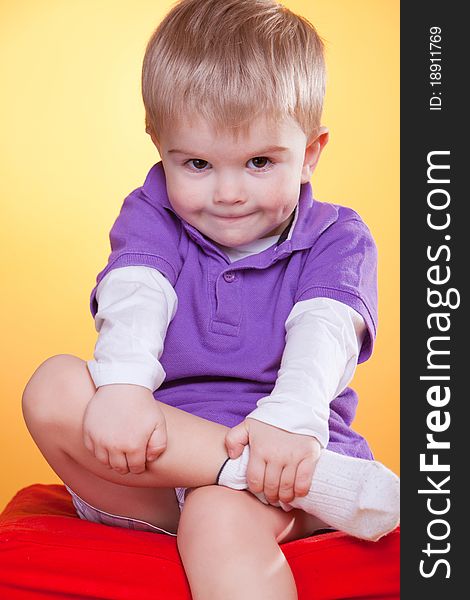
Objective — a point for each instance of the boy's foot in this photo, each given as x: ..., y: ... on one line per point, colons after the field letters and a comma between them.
x: 357, y: 496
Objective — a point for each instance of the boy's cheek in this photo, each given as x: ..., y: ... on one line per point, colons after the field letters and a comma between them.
x: 285, y: 205
x: 179, y: 194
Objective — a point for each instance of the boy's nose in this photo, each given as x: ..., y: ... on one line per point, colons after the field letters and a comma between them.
x: 229, y: 191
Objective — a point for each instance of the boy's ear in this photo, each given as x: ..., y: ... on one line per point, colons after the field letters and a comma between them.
x: 155, y: 141
x: 312, y: 153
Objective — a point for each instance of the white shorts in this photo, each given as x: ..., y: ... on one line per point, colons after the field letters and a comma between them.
x: 95, y: 515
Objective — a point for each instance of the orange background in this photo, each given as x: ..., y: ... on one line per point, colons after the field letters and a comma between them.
x: 73, y: 146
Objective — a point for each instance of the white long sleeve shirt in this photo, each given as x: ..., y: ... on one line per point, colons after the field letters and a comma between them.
x: 323, y: 339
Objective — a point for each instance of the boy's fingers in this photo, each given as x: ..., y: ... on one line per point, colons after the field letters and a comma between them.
x: 303, y: 478
x: 255, y: 474
x: 102, y: 455
x: 118, y: 462
x: 236, y: 439
x: 272, y: 477
x: 88, y: 443
x: 157, y: 443
x: 136, y: 461
x: 286, y: 485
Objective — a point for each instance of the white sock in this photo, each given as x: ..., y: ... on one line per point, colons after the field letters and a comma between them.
x: 357, y: 496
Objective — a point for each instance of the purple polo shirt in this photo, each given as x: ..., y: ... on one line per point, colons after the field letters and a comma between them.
x: 223, y: 349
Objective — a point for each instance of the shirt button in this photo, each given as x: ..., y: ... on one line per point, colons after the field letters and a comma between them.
x: 229, y: 276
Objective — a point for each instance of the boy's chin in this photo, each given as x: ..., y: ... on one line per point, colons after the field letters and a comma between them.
x: 228, y: 236
x: 230, y: 242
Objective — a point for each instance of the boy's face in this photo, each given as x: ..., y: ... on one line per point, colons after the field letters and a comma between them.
x: 235, y: 192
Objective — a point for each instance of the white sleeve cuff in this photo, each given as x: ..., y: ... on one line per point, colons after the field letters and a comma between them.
x: 144, y: 375
x: 292, y: 416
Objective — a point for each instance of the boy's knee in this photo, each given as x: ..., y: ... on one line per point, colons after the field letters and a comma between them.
x: 50, y: 380
x: 216, y: 513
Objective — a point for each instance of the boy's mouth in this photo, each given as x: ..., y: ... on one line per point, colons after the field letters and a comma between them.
x: 232, y: 217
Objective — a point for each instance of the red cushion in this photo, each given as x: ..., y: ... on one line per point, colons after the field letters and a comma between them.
x: 47, y: 552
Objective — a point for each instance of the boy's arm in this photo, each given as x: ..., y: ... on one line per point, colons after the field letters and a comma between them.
x: 130, y: 336
x: 287, y: 429
x: 122, y: 426
x: 323, y: 341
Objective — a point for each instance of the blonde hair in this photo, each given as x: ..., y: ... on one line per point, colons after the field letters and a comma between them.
x: 230, y: 62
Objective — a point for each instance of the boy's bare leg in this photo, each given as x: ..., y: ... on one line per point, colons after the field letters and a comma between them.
x: 217, y: 522
x: 229, y: 544
x: 54, y: 403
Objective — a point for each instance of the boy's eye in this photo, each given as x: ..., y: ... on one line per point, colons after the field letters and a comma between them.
x: 198, y: 163
x: 259, y: 161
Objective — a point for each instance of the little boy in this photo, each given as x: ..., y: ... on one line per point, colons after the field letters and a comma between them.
x: 231, y: 316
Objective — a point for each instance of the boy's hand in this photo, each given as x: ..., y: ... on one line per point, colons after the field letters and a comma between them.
x: 123, y: 427
x: 281, y: 463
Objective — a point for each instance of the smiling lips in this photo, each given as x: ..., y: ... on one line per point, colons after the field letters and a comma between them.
x: 231, y: 218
